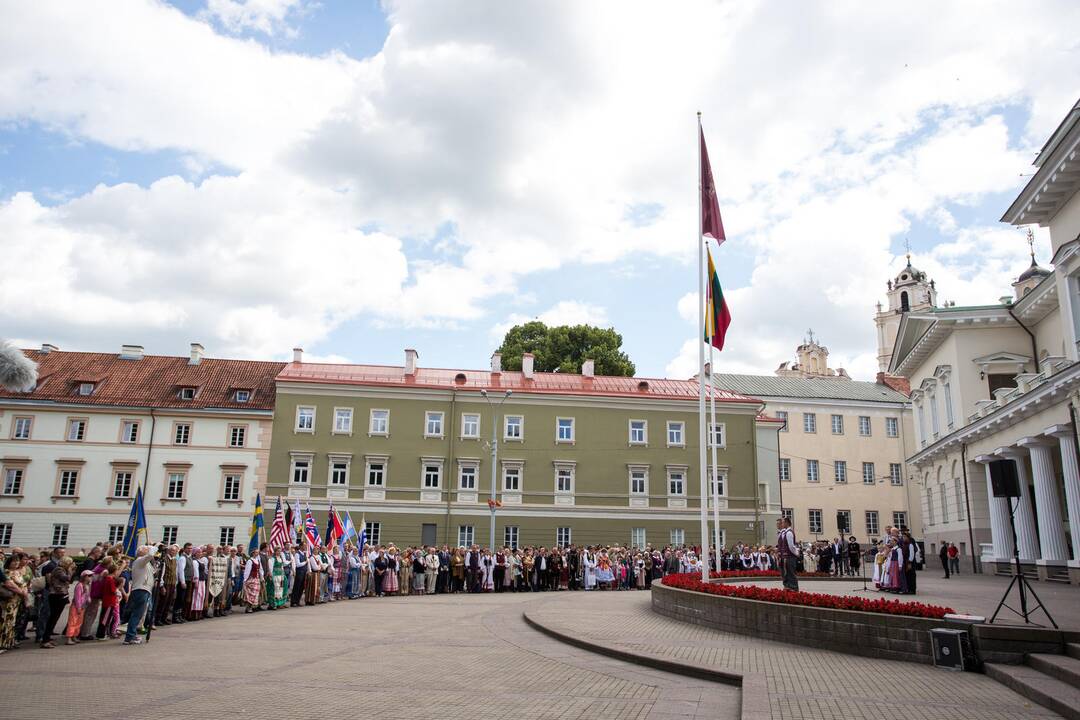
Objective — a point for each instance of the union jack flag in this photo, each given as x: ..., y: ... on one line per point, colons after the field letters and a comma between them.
x: 311, y: 530
x: 279, y: 531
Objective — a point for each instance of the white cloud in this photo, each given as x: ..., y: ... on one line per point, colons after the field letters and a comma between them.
x: 565, y: 312
x: 269, y: 17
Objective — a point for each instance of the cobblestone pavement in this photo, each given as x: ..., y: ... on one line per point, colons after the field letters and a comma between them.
x: 434, y: 657
x: 803, y: 683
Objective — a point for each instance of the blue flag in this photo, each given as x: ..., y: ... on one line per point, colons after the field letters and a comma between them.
x: 256, y: 524
x: 136, y: 524
x: 350, y: 531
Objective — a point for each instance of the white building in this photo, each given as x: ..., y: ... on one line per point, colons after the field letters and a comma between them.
x: 194, y: 432
x: 1000, y: 381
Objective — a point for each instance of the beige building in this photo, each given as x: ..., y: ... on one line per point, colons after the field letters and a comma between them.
x: 842, y: 448
x: 1000, y: 382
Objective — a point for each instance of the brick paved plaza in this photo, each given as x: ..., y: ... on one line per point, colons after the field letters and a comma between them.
x: 475, y: 657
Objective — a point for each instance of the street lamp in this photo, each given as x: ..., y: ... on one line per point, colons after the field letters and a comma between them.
x: 494, y: 457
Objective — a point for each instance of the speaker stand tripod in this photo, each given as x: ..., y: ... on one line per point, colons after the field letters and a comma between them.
x: 1021, y: 583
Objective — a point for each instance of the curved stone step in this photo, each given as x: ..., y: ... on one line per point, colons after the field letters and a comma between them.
x: 1038, y: 687
x: 1062, y: 667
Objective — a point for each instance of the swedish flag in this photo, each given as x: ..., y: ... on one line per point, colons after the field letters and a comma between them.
x: 256, y: 524
x: 136, y: 524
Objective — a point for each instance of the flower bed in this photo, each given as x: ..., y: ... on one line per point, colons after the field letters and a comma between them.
x: 687, y: 581
x: 771, y: 574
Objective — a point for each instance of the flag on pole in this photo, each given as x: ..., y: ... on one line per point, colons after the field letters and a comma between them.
x: 711, y: 224
x: 279, y: 531
x: 257, y: 524
x: 717, y: 315
x: 136, y: 524
x: 334, y: 529
x: 362, y: 540
x: 289, y: 520
x: 297, y: 519
x: 350, y: 530
x: 311, y: 531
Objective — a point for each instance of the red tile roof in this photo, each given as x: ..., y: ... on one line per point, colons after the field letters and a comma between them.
x: 150, y: 381
x: 545, y: 383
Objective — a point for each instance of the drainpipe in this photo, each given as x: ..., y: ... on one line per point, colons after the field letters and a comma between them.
x: 1034, y: 346
x: 967, y: 506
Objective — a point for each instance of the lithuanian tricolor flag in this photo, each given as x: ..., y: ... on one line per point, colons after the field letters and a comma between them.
x: 717, y: 315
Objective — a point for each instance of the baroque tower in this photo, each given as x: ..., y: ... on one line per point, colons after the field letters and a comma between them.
x: 910, y: 291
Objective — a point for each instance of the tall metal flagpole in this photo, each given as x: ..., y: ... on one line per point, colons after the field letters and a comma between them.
x: 712, y: 444
x: 701, y: 374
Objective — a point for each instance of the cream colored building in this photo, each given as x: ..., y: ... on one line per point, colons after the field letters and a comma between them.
x: 1000, y: 381
x: 842, y: 447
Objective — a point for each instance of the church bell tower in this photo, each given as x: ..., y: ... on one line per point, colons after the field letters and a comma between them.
x: 909, y: 291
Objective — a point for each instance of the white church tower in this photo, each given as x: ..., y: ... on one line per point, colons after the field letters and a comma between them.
x: 911, y: 290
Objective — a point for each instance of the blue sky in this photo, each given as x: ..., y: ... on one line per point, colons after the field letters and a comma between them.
x: 358, y: 178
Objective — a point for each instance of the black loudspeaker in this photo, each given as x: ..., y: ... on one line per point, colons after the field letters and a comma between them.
x: 1003, y: 479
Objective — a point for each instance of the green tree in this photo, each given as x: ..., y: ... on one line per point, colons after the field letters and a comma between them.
x: 564, y: 347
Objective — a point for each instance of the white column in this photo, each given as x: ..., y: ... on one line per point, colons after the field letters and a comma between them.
x: 1071, y: 469
x: 1000, y: 535
x: 1026, y: 538
x: 1047, y: 502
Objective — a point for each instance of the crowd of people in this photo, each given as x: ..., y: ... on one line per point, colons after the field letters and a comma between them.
x: 171, y: 584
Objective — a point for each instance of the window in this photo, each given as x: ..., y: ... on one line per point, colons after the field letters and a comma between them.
x: 892, y: 427
x: 380, y: 422
x: 514, y: 427
x: 677, y: 536
x: 470, y: 425
x: 675, y: 434
x: 175, y: 490
x: 510, y: 537
x: 944, y: 503
x: 562, y: 536
x: 237, y: 435
x: 638, y: 432
x: 814, y: 522
x: 465, y: 535
x: 676, y: 482
x: 226, y: 536
x: 638, y: 479
x: 837, y: 425
x: 301, y: 471
x: 86, y: 388
x: 59, y: 535
x: 716, y: 488
x: 116, y: 534
x: 5, y: 534
x: 20, y: 429
x: 946, y: 390
x: 129, y: 431
x: 169, y: 533
x: 511, y: 478
x: 432, y: 476
x: 231, y: 487
x: 929, y: 506
x: 343, y: 421
x: 376, y: 474
x: 843, y: 522
x: 305, y: 419
x: 339, y: 473
x: 242, y: 396
x: 785, y: 469
x: 373, y: 530
x: 864, y: 425
x: 869, y: 475
x: 187, y: 393
x: 871, y: 524
x: 122, y: 484
x: 959, y: 486
x: 433, y: 422
x: 637, y: 537
x: 69, y: 483
x: 899, y: 519
x: 716, y: 436
x: 812, y: 471
x: 76, y: 430
x: 564, y: 430
x: 809, y: 422
x: 782, y: 415
x: 181, y: 434
x: 895, y: 477
x: 564, y: 480
x: 467, y: 477
x: 789, y: 515
x: 13, y: 478
x: 840, y: 470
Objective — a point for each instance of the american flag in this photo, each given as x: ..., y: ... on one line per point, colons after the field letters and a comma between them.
x: 279, y: 532
x: 311, y: 530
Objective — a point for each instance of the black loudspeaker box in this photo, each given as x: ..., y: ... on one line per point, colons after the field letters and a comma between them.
x: 1003, y: 478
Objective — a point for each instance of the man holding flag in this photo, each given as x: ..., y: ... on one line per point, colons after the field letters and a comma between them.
x: 136, y: 524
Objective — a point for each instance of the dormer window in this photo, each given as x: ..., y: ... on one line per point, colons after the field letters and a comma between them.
x: 187, y: 393
x: 242, y: 396
x: 86, y: 388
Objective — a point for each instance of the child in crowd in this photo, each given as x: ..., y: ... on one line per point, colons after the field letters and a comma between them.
x: 77, y: 609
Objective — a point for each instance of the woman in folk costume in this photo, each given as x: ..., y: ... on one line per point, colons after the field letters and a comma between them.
x: 879, y: 561
x: 404, y: 569
x: 275, y: 598
x: 311, y: 591
x: 487, y: 570
x: 513, y: 569
x: 639, y: 571
x: 588, y: 564
x: 197, y: 602
x: 253, y: 571
x: 219, y: 568
x: 419, y: 572
x: 604, y: 576
x: 763, y: 558
x: 390, y: 579
x: 352, y: 581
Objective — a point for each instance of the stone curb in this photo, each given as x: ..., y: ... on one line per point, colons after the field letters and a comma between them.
x: 754, y: 703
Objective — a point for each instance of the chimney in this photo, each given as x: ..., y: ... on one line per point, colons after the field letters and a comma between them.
x: 196, y: 354
x: 410, y: 361
x: 298, y: 355
x: 496, y: 362
x: 527, y: 366
x: 47, y: 348
x: 131, y: 352
x: 588, y: 368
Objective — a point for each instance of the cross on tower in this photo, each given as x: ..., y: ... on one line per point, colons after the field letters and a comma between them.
x: 1031, y: 242
x: 907, y: 246
x: 810, y: 335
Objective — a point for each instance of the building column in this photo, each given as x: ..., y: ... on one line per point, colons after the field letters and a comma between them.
x: 1047, y: 502
x: 1070, y: 468
x: 999, y: 515
x: 1026, y: 538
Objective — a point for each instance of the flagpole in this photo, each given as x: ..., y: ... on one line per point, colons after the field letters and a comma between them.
x: 701, y: 374
x: 712, y: 443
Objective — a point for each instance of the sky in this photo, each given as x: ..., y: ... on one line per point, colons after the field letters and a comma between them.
x: 355, y: 178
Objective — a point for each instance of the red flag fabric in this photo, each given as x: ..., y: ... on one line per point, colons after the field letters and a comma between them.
x: 711, y: 224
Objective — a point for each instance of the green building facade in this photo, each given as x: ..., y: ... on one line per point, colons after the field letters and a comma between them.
x: 581, y: 459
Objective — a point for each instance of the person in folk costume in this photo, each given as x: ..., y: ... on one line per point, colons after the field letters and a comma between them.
x: 513, y: 570
x: 472, y: 569
x: 487, y: 567
x: 276, y: 596
x: 443, y: 584
x: 418, y: 571
x: 588, y: 566
x: 746, y: 560
x: 253, y: 576
x: 353, y: 586
x: 326, y: 564
x: 879, y: 562
x: 167, y: 587
x: 236, y: 578
x: 527, y: 562
x: 300, y: 574
x: 288, y: 568
x: 390, y: 579
x: 219, y: 567
x: 314, y: 571
x: 432, y: 566
x: 763, y: 558
x: 604, y: 576
x: 379, y: 568
x: 194, y: 608
x: 266, y: 558
x: 368, y: 570
x: 639, y: 572
x: 336, y: 572
x: 499, y: 574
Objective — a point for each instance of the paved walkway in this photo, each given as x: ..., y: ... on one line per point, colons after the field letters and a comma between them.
x: 802, y: 683
x: 437, y: 657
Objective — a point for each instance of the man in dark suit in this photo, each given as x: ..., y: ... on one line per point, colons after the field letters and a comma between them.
x: 854, y: 557
x: 474, y: 569
x: 442, y: 583
x: 573, y: 567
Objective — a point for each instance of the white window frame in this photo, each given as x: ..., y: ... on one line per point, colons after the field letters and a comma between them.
x: 343, y: 421
x: 384, y: 468
x: 373, y: 531
x: 465, y: 422
x: 836, y: 422
x: 644, y: 441
x: 182, y: 433
x: 570, y: 468
x: 69, y: 480
x: 850, y: 530
x: 872, y: 530
x: 238, y: 436
x: 130, y: 479
x: 644, y: 471
x: 892, y: 427
x: 171, y: 478
x: 896, y: 474
x: 637, y: 538
x: 679, y: 427
x: 331, y: 461
x: 466, y: 535
x: 129, y: 432
x: 784, y: 470
x: 22, y: 427
x: 518, y: 468
x: 308, y: 462
x: 511, y: 534
x: 571, y: 439
x: 300, y: 413
x: 228, y: 496
x: 116, y: 534
x: 188, y: 393
x: 436, y: 418
x: 899, y: 518
x: 840, y: 471
x: 242, y: 396
x: 376, y: 415
x: 715, y: 429
x: 783, y: 415
x: 13, y: 481
x: 564, y: 537
x: 815, y: 476
x: 169, y: 533
x: 809, y: 422
x: 721, y: 478
x: 869, y: 473
x: 60, y: 534
x: 677, y: 536
x: 810, y: 521
x: 86, y: 389
x: 520, y: 437
x: 226, y: 535
x: 682, y: 481
x: 79, y: 426
x: 867, y: 425
x: 425, y: 465
x: 473, y: 467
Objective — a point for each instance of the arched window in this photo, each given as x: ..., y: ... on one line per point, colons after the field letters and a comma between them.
x: 904, y: 304
x: 929, y: 502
